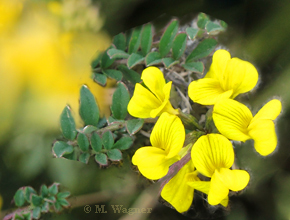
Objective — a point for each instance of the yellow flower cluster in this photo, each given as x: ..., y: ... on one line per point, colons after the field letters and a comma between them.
x: 212, y: 155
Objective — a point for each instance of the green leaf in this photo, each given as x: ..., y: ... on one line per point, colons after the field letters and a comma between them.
x: 167, y: 38
x: 179, y: 45
x: 50, y: 199
x: 45, y: 207
x: 117, y: 54
x: 28, y: 192
x: 19, y: 197
x: 84, y: 158
x: 57, y: 206
x: 120, y: 101
x: 202, y: 19
x: 18, y: 216
x: 196, y: 67
x: 146, y: 39
x: 83, y: 142
x: 202, y: 50
x: 113, y: 74
x: 96, y: 61
x: 130, y: 75
x: 120, y: 41
x: 123, y: 144
x: 212, y: 27
x: 153, y: 58
x: 169, y: 62
x: 63, y: 195
x: 67, y: 124
x: 106, y: 61
x: 134, y: 59
x: 108, y: 140
x: 101, y: 159
x: 102, y: 122
x: 36, y: 200
x: 27, y: 215
x: 191, y: 32
x: 223, y: 24
x: 71, y: 156
x: 135, y: 40
x: 114, y: 155
x: 134, y: 125
x: 96, y: 142
x: 61, y: 148
x: 89, y: 110
x: 111, y: 120
x: 89, y: 129
x: 36, y: 212
x: 53, y: 189
x: 101, y: 79
x: 63, y: 202
x: 44, y: 191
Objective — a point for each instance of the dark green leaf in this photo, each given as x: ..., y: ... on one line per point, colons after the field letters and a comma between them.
x: 117, y: 54
x: 18, y: 216
x: 57, y: 207
x: 108, y: 140
x: 146, y: 39
x: 135, y: 40
x: 120, y: 41
x: 134, y: 125
x: 67, y: 124
x: 112, y: 120
x: 50, y: 199
x: 167, y: 38
x: 134, y: 59
x: 71, y: 156
x: 130, y: 75
x: 124, y: 143
x: 120, y: 101
x: 60, y: 148
x: 27, y: 215
x: 202, y: 19
x: 106, y: 61
x: 114, y: 155
x: 19, y: 197
x: 45, y: 207
x: 213, y: 27
x: 53, y: 189
x: 202, y: 50
x: 89, y: 129
x: 63, y: 202
x: 36, y: 212
x: 36, y: 200
x: 96, y: 142
x: 179, y: 45
x: 191, y: 32
x: 102, y: 122
x: 44, y: 190
x: 84, y: 158
x: 83, y: 142
x: 101, y: 79
x: 169, y: 62
x: 196, y: 67
x: 89, y: 110
x: 28, y: 192
x: 101, y: 159
x: 63, y: 195
x: 113, y: 74
x: 153, y: 58
x: 96, y: 61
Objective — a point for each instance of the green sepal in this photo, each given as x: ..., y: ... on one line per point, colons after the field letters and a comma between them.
x: 120, y: 100
x: 124, y: 143
x: 61, y: 148
x: 96, y: 142
x: 101, y: 159
x: 179, y: 45
x: 203, y: 49
x: 134, y: 125
x: 167, y: 38
x: 134, y: 59
x: 83, y: 142
x: 108, y: 140
x: 114, y: 155
x: 153, y: 58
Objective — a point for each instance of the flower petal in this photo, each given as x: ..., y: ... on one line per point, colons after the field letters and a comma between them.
x: 239, y: 75
x: 219, y: 63
x: 177, y: 192
x: 207, y: 91
x: 264, y: 135
x: 235, y: 180
x: 211, y: 152
x: 142, y: 102
x: 218, y: 191
x: 151, y: 162
x: 153, y: 78
x: 271, y: 110
x: 232, y: 119
x: 168, y: 134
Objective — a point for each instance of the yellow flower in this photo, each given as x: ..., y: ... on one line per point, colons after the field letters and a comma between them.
x: 151, y: 102
x: 212, y: 156
x: 167, y: 139
x: 177, y: 192
x: 227, y: 78
x: 235, y: 121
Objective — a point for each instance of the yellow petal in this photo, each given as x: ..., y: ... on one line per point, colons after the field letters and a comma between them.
x: 142, y: 102
x: 219, y: 63
x: 151, y: 162
x: 232, y: 119
x: 153, y: 78
x: 211, y: 152
x: 168, y: 134
x: 207, y: 91
x: 235, y: 180
x: 218, y: 191
x: 177, y: 192
x: 264, y: 135
x: 269, y: 111
x: 239, y: 75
